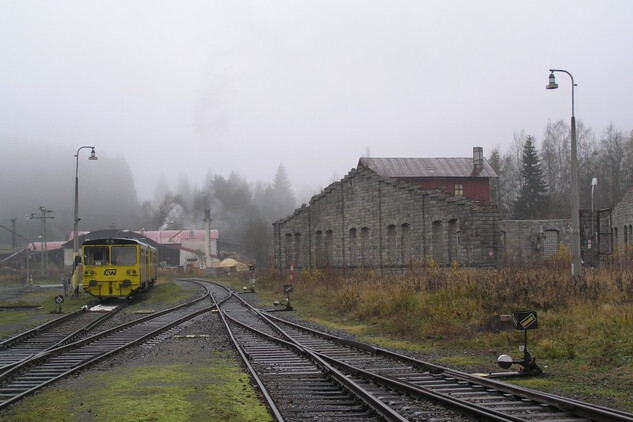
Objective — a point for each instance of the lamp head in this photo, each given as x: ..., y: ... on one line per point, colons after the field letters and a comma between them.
x: 93, y: 156
x: 594, y: 182
x: 552, y: 82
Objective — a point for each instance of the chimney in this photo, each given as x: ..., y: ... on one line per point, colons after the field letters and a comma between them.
x: 478, y: 159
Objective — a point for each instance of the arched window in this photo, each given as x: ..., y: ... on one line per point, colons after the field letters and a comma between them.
x: 391, y: 244
x: 353, y: 247
x: 405, y: 244
x: 297, y: 249
x: 453, y: 239
x: 329, y: 247
x: 364, y: 246
x: 288, y: 249
x: 436, y: 245
x: 318, y: 248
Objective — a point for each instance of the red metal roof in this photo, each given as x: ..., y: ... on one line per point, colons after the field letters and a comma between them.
x: 51, y: 245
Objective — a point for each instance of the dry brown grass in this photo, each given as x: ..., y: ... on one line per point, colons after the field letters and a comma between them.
x: 590, y: 317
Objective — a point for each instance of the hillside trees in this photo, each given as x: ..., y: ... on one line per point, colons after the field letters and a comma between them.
x: 556, y: 156
x: 277, y: 199
x: 41, y: 174
x: 508, y: 166
x: 614, y: 165
x: 242, y: 213
x: 609, y: 159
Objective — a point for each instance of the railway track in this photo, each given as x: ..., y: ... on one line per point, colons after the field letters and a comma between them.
x: 311, y: 374
x: 45, y: 367
x: 50, y: 335
x: 305, y: 374
x: 299, y: 385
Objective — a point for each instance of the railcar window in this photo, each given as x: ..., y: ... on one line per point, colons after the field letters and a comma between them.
x: 123, y: 255
x: 96, y: 255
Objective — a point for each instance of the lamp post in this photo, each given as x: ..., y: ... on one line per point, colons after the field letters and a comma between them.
x: 594, y: 184
x: 76, y: 218
x: 28, y: 249
x: 576, y: 260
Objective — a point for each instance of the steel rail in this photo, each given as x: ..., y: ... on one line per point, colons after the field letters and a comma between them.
x: 98, y: 357
x: 409, y: 389
x: 5, y: 344
x: 262, y: 388
x: 426, y: 393
x: 358, y: 391
x: 370, y: 400
x: 584, y: 409
x: 25, y: 345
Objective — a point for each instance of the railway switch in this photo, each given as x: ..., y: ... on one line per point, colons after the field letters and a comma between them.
x: 524, y: 321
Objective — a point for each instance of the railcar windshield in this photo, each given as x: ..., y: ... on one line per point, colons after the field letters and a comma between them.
x: 123, y: 255
x: 97, y: 255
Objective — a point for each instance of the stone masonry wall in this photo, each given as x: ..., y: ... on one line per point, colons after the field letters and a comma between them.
x: 622, y: 221
x: 532, y: 240
x: 383, y: 223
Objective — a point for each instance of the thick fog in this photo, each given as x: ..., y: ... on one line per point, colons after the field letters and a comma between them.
x: 172, y: 94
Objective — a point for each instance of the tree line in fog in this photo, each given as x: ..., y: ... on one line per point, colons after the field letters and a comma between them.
x: 43, y: 176
x: 242, y: 212
x: 535, y: 182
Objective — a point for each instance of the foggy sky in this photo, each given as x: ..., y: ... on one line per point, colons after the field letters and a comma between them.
x: 192, y: 87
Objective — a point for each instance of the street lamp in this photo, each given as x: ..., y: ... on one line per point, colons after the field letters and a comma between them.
x: 594, y: 184
x: 76, y: 219
x: 576, y: 261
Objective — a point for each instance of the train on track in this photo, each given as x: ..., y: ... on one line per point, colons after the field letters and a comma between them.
x: 118, y: 267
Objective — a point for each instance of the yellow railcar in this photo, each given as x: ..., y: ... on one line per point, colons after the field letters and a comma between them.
x: 118, y: 267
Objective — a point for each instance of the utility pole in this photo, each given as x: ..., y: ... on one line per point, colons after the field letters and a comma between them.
x: 14, y: 240
x: 43, y: 243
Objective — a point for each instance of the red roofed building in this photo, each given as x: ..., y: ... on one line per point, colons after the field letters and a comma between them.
x: 468, y: 177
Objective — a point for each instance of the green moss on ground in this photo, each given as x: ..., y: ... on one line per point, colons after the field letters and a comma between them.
x: 215, y: 391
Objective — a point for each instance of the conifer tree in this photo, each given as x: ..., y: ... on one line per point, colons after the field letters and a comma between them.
x: 532, y: 201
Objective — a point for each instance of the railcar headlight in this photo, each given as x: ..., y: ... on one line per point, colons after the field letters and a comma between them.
x: 92, y: 272
x: 131, y: 272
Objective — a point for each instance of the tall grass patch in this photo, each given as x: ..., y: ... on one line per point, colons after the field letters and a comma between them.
x: 585, y: 325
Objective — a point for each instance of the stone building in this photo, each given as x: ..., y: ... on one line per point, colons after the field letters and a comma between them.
x: 376, y: 221
x: 389, y: 212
